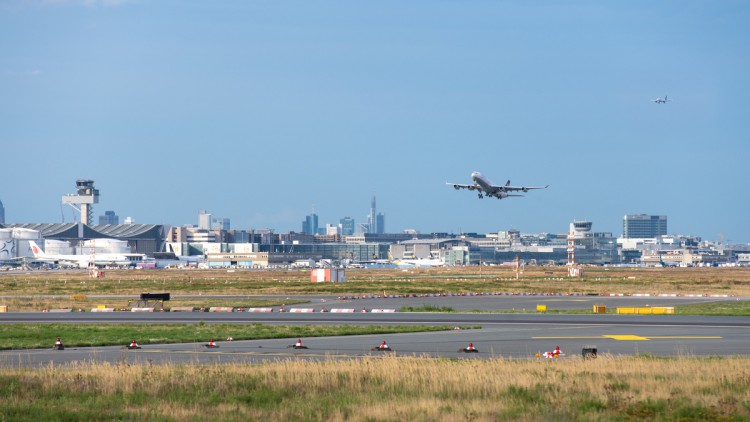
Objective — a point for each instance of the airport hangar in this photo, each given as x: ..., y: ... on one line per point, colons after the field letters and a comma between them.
x: 141, y: 238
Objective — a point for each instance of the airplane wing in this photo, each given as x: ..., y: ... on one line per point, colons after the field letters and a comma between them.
x: 461, y: 186
x: 508, y: 188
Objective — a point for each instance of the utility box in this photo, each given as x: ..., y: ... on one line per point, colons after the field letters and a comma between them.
x: 588, y: 351
x: 320, y: 275
x: 600, y: 309
x: 3, y: 308
x: 541, y: 308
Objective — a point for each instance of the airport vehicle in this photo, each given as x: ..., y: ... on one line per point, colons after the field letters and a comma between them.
x: 486, y: 188
x: 661, y: 100
x: 85, y: 261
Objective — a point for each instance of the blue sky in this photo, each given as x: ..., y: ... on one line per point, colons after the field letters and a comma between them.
x: 256, y: 111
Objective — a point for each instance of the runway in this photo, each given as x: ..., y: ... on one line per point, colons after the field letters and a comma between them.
x: 506, y: 336
x: 502, y: 335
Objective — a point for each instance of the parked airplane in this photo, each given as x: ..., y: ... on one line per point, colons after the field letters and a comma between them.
x: 84, y: 261
x: 418, y: 263
x: 661, y: 100
x: 486, y: 187
x: 667, y: 263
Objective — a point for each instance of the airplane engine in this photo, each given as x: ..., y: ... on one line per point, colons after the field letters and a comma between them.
x: 501, y: 195
x: 525, y: 190
x: 455, y: 187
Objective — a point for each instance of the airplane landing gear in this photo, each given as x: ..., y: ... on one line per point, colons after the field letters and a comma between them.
x: 480, y: 195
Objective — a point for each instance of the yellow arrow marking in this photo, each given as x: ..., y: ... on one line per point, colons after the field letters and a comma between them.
x: 625, y: 337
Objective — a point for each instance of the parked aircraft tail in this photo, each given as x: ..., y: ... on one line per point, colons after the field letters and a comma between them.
x: 36, y: 250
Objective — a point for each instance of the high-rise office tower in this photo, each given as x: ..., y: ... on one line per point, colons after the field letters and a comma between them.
x: 347, y: 226
x: 109, y: 217
x: 310, y: 225
x: 204, y: 220
x: 380, y: 223
x: 372, y: 223
x: 641, y: 226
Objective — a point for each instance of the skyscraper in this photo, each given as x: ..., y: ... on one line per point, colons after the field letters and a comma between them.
x: 2, y: 213
x: 310, y: 225
x: 109, y: 217
x: 220, y: 224
x: 204, y: 220
x: 347, y: 226
x: 641, y: 226
x: 380, y: 223
x: 372, y: 224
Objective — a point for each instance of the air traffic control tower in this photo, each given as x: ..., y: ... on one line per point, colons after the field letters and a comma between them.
x: 86, y: 196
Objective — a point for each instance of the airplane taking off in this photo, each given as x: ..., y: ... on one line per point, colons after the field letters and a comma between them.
x: 83, y: 261
x: 486, y: 187
x: 661, y: 100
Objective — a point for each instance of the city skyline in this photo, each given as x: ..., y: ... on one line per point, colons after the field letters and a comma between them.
x: 256, y: 110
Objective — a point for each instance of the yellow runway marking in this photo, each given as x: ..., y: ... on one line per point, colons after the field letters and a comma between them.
x: 628, y: 337
x: 625, y: 337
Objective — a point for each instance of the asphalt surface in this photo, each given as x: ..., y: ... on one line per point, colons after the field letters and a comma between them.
x: 517, y: 336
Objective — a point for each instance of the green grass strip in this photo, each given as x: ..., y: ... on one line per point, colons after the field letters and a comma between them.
x: 724, y: 308
x: 35, y: 336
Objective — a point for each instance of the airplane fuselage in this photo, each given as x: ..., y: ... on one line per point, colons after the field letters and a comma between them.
x: 484, y: 183
x: 485, y: 187
x: 83, y: 261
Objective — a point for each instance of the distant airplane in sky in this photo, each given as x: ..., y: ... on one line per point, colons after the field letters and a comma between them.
x: 485, y: 187
x: 661, y: 100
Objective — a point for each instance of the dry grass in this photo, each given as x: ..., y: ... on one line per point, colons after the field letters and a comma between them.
x: 388, y: 388
x: 734, y: 281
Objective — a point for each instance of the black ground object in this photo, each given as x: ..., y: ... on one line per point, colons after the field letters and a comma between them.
x: 155, y: 296
x: 589, y: 352
x: 467, y: 350
x: 294, y: 346
x: 134, y: 347
x: 58, y: 347
x: 382, y: 349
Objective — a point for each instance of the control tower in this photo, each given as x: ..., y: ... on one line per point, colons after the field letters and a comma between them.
x: 82, y: 200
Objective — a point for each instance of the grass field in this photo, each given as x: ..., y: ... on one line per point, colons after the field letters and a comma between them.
x: 35, y: 336
x: 387, y: 389
x: 732, y: 281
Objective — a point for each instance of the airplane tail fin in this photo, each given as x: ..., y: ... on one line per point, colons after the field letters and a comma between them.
x: 507, y: 183
x: 36, y: 250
